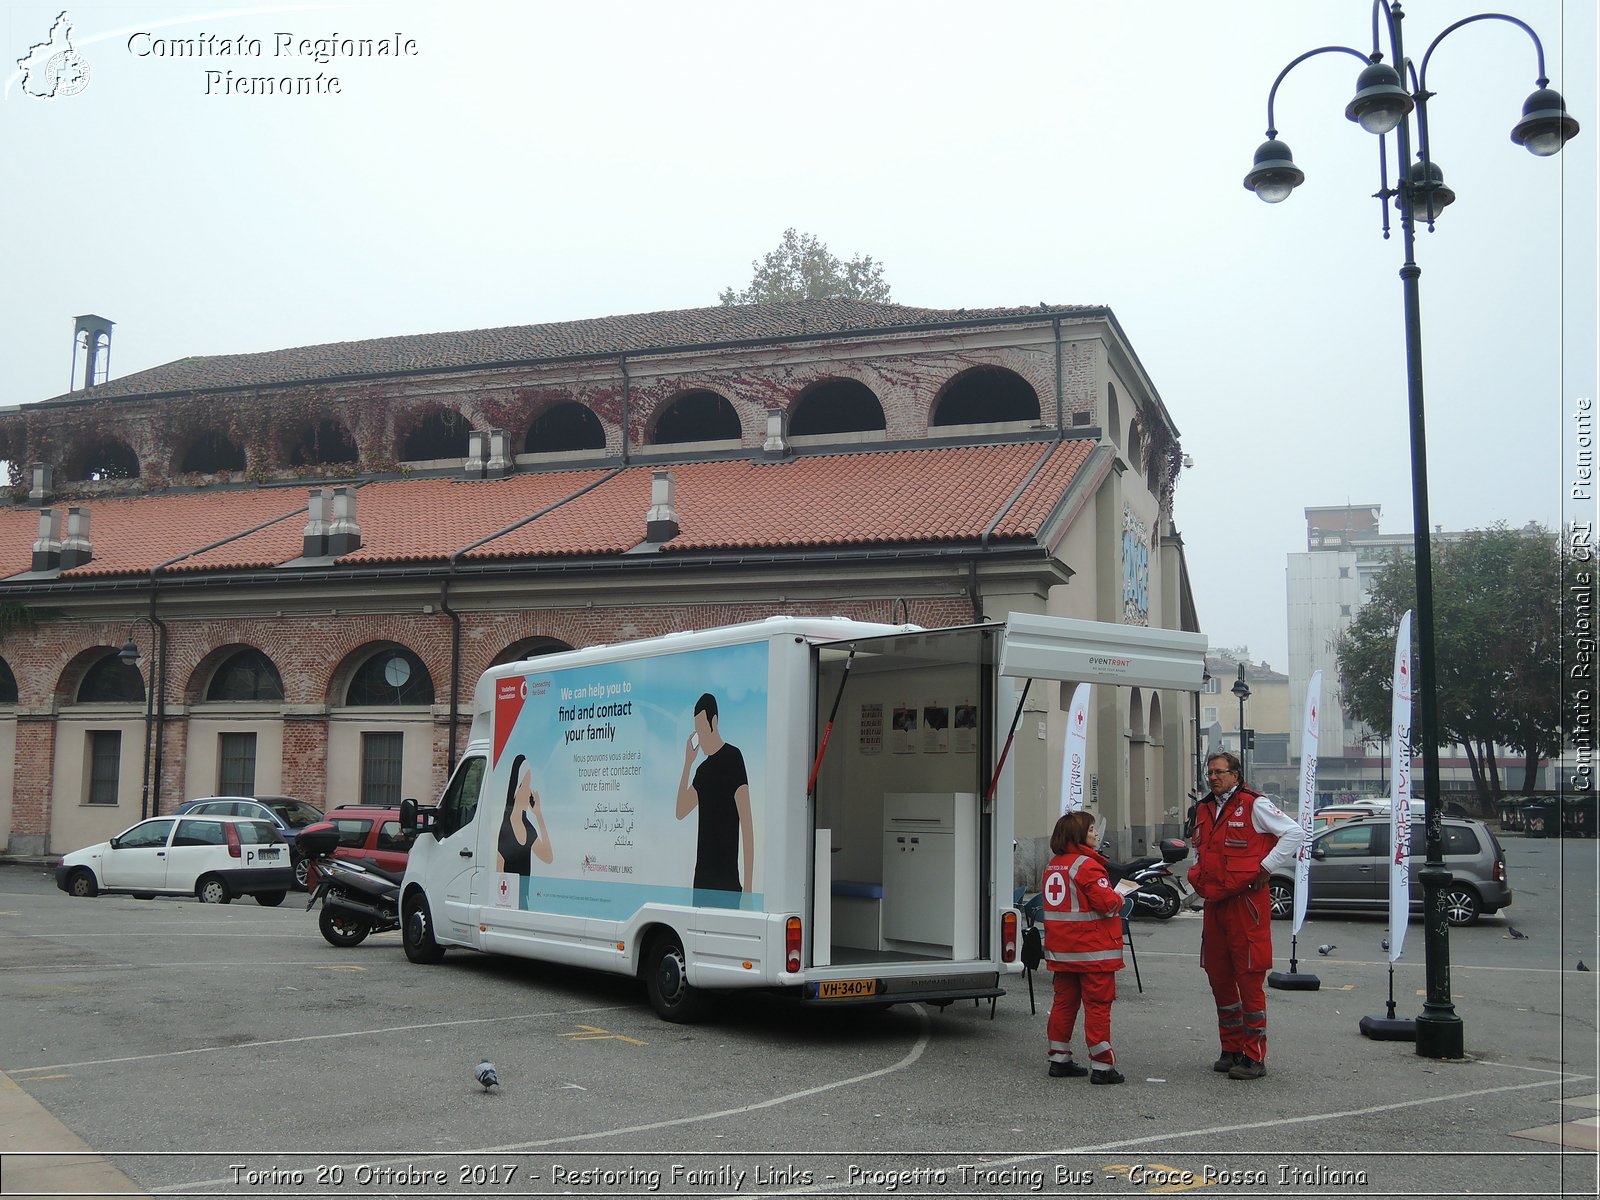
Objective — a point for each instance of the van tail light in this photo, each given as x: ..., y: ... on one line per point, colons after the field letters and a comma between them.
x: 1499, y: 870
x: 234, y: 850
x: 1008, y: 936
x: 791, y: 945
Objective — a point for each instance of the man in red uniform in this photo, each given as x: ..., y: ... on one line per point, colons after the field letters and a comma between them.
x: 1240, y: 839
x: 1082, y: 947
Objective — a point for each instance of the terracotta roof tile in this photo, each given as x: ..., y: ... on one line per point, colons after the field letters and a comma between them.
x: 906, y: 497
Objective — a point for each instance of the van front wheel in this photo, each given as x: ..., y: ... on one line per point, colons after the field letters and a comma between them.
x: 666, y: 982
x: 417, y: 932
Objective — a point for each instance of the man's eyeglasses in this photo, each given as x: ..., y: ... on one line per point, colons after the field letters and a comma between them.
x: 1224, y: 771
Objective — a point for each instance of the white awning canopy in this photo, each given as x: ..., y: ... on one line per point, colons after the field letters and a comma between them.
x: 1040, y: 647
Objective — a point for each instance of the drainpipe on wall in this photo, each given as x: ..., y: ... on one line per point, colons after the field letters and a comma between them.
x: 455, y: 662
x: 161, y: 699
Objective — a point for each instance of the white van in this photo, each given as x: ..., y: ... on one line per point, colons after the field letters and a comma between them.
x: 810, y: 805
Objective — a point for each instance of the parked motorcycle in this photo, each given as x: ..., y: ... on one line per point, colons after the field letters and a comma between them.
x: 1161, y: 890
x: 358, y: 898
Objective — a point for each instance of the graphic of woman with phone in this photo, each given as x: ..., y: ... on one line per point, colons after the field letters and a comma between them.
x: 523, y: 836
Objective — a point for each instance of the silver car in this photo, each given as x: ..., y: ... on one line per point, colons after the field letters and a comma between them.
x: 1350, y: 870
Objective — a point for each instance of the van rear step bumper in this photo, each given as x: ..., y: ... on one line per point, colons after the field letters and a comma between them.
x: 936, y: 989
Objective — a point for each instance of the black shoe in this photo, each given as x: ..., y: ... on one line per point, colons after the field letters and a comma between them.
x: 1067, y: 1070
x: 1229, y: 1060
x: 1247, y: 1068
x: 1108, y: 1075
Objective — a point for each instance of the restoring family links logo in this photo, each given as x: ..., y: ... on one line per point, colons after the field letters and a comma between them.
x: 53, y: 69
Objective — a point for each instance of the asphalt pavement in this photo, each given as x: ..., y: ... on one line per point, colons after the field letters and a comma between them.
x: 153, y: 1047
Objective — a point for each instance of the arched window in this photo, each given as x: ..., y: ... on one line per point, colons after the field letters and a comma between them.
x: 986, y: 396
x: 111, y: 681
x: 392, y: 676
x: 212, y: 453
x: 247, y: 675
x: 1113, y: 416
x: 320, y: 444
x: 532, y: 647
x: 565, y: 426
x: 836, y: 406
x: 8, y: 684
x: 440, y: 434
x: 698, y: 416
x: 103, y: 458
x: 1135, y: 446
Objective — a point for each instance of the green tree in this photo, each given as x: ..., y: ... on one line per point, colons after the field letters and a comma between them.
x: 801, y: 268
x: 1497, y: 639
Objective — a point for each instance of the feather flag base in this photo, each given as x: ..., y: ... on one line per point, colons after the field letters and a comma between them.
x: 1293, y: 981
x: 1388, y: 1029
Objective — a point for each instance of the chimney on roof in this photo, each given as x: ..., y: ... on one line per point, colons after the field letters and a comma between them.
x: 94, y: 334
x: 477, y: 453
x: 661, y: 522
x: 344, y: 535
x: 43, y: 489
x: 499, y: 464
x: 75, y: 548
x: 47, y: 549
x: 315, y: 543
x: 777, y: 443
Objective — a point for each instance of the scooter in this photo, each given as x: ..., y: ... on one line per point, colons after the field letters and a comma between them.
x: 1161, y: 890
x: 358, y: 898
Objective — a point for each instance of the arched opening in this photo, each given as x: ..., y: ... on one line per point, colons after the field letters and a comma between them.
x: 111, y: 681
x: 985, y: 396
x: 836, y: 406
x: 1135, y: 446
x: 248, y: 675
x: 440, y: 434
x: 8, y: 684
x: 391, y: 676
x: 697, y: 416
x: 320, y: 444
x: 532, y: 647
x: 565, y: 426
x: 211, y: 453
x: 1113, y: 416
x: 1156, y: 772
x: 104, y: 458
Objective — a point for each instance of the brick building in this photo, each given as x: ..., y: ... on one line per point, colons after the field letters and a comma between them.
x: 316, y: 551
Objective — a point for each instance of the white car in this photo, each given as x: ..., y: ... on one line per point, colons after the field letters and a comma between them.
x: 212, y: 858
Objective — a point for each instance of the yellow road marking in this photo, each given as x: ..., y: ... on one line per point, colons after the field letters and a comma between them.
x: 340, y: 967
x: 593, y: 1033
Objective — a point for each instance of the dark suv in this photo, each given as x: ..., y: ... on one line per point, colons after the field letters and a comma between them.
x: 1350, y: 869
x: 289, y: 815
x: 369, y: 833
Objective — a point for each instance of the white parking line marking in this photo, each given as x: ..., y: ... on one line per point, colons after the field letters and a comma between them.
x: 316, y: 1037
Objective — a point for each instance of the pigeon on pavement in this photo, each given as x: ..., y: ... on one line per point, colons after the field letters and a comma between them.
x: 1581, y: 967
x: 1514, y: 933
x: 485, y: 1075
x: 1326, y: 949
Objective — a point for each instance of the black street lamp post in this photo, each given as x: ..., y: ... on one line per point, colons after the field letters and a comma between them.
x: 1241, y: 689
x: 129, y: 654
x: 1382, y: 104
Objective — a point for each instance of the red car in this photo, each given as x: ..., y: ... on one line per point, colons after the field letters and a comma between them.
x: 368, y: 833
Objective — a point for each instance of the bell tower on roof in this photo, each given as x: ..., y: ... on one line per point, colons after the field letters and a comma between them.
x: 94, y: 335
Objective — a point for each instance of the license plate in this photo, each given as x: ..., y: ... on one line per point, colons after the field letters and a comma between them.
x: 268, y: 854
x: 846, y: 989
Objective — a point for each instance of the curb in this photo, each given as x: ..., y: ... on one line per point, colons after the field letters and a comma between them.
x: 42, y: 1157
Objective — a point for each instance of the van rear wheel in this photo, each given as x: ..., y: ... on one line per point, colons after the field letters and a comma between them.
x: 666, y: 982
x: 212, y: 890
x: 417, y: 931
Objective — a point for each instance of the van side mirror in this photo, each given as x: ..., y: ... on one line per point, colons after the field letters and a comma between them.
x: 408, y: 816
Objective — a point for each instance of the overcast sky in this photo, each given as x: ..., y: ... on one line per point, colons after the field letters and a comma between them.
x: 536, y: 162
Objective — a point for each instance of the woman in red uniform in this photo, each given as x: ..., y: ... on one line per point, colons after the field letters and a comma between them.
x: 1083, y: 947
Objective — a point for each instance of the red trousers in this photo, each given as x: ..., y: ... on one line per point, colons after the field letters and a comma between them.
x: 1094, y: 991
x: 1236, y: 952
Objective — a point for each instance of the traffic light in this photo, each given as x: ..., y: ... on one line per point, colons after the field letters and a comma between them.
x: 1249, y: 739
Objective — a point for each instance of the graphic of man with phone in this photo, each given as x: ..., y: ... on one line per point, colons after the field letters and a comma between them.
x: 720, y: 789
